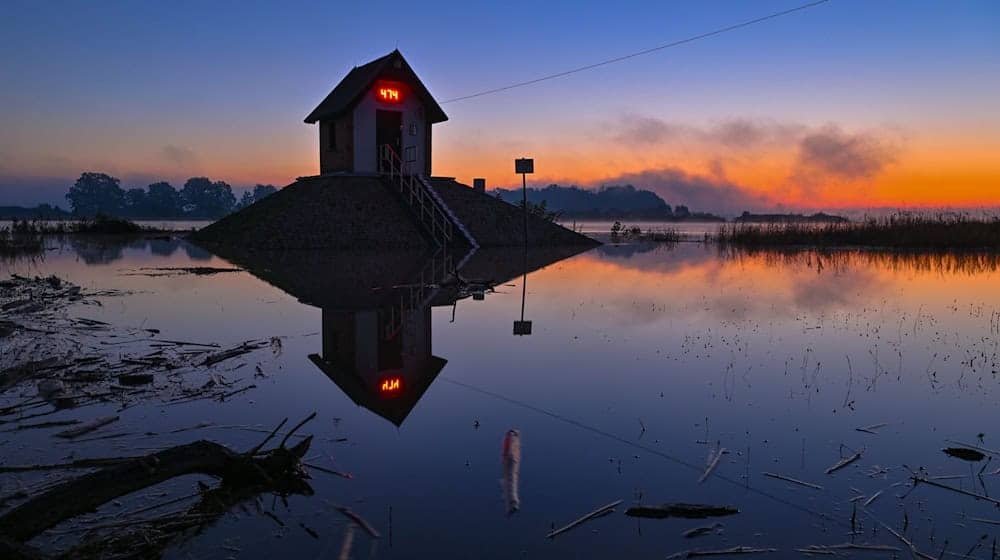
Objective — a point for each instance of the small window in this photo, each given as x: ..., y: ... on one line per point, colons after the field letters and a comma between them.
x: 413, y: 129
x: 331, y: 137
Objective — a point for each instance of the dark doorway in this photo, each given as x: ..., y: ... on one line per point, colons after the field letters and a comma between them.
x: 389, y: 130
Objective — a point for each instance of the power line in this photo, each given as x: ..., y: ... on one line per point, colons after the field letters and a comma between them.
x: 639, y: 53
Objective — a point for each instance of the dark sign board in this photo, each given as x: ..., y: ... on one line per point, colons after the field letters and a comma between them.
x: 522, y: 328
x: 524, y: 165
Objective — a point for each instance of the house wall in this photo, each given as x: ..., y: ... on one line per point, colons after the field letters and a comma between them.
x: 339, y: 157
x: 365, y: 154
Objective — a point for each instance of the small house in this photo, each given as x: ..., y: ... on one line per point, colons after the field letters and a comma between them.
x: 378, y: 105
x: 375, y: 190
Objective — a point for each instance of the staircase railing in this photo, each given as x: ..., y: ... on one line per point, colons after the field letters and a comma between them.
x: 415, y: 194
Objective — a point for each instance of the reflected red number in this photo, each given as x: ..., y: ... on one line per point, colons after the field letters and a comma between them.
x: 391, y: 385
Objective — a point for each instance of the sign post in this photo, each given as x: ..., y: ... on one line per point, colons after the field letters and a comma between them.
x: 524, y: 166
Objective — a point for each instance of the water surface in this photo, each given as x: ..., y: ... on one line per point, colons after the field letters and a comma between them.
x: 642, y: 360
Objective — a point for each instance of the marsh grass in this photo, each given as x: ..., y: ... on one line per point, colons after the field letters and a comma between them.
x: 99, y: 224
x: 621, y: 233
x: 14, y: 245
x: 897, y: 232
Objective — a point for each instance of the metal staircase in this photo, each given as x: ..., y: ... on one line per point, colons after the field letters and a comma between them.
x: 444, y: 206
x: 415, y: 193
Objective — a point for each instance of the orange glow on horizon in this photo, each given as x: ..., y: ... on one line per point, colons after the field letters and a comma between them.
x: 923, y: 176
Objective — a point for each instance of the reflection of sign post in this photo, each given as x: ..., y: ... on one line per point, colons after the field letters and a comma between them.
x: 522, y: 327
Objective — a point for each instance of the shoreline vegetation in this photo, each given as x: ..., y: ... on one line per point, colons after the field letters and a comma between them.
x: 25, y: 239
x: 100, y: 224
x: 902, y: 231
x: 783, y: 231
x: 898, y: 232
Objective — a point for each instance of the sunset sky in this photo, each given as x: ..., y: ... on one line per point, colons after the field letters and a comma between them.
x: 850, y: 104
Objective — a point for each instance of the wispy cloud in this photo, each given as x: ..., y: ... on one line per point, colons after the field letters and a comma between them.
x: 814, y: 159
x: 736, y: 132
x: 832, y: 153
x: 179, y: 155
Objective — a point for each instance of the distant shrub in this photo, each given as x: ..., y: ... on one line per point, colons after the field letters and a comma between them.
x: 106, y: 225
x: 620, y: 232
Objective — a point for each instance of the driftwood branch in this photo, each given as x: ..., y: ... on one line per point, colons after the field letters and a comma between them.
x: 240, y: 473
x: 922, y: 480
x: 792, y: 480
x: 843, y: 463
x: 599, y: 512
x: 712, y: 464
x: 296, y: 428
x: 260, y: 445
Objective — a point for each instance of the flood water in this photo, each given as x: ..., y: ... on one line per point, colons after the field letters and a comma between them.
x: 641, y: 362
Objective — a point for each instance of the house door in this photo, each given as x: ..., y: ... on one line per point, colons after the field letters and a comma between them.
x: 389, y: 130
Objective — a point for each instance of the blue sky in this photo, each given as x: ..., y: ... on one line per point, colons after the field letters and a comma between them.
x: 151, y: 90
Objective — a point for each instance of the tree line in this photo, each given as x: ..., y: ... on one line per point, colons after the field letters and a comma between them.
x: 200, y: 197
x: 607, y: 202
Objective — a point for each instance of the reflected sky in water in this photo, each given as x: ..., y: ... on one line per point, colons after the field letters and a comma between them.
x: 642, y: 359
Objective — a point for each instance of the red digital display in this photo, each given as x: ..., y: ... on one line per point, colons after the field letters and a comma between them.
x: 391, y: 386
x: 389, y: 92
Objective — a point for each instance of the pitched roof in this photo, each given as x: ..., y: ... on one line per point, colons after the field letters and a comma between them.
x: 360, y: 79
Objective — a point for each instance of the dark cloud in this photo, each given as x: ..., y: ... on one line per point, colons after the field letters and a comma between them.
x: 697, y: 192
x: 737, y: 132
x: 179, y: 155
x: 635, y: 129
x: 831, y: 152
x: 750, y: 133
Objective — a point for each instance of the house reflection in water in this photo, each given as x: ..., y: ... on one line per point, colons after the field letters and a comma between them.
x: 376, y: 310
x: 381, y: 358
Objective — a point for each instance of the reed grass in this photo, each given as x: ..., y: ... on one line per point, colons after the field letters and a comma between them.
x: 902, y: 231
x: 99, y: 224
x: 13, y: 245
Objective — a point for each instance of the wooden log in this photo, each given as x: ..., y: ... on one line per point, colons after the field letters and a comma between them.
x: 88, y: 492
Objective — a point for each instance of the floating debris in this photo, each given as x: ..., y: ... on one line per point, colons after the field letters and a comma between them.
x: 833, y: 548
x: 843, y: 463
x: 686, y: 511
x: 964, y: 454
x: 702, y: 531
x: 713, y: 462
x: 793, y: 480
x: 510, y: 457
x: 736, y: 550
x: 872, y: 429
x: 244, y: 474
x: 359, y: 521
x: 599, y: 512
x: 87, y: 427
